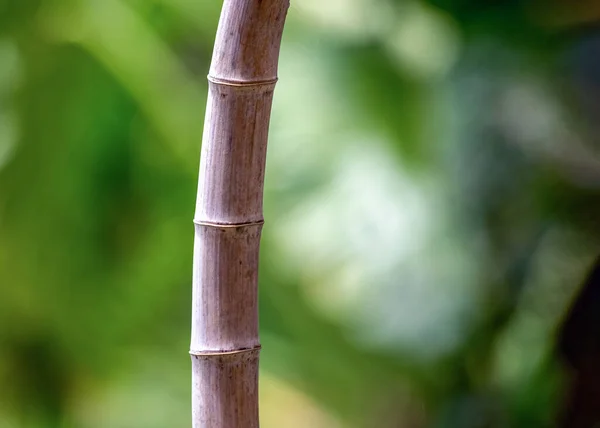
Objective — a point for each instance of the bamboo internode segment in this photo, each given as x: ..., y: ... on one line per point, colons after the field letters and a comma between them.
x: 229, y: 214
x: 225, y: 390
x: 248, y: 40
x: 225, y: 291
x: 233, y: 154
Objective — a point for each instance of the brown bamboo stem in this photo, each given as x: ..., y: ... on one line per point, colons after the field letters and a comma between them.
x: 229, y: 218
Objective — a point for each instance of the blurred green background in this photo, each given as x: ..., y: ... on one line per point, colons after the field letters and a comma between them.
x: 431, y: 204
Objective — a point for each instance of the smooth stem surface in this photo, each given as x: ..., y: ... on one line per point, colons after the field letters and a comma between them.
x: 228, y: 218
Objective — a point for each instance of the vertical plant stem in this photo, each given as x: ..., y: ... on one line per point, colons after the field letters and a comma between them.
x: 229, y: 218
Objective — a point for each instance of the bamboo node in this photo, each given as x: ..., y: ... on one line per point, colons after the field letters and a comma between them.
x: 241, y: 83
x: 228, y: 225
x: 196, y: 353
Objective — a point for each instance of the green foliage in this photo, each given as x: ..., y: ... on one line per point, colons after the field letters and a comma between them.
x: 431, y: 206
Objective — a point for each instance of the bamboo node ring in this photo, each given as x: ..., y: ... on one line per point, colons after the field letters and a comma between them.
x: 228, y: 225
x: 223, y: 353
x: 241, y: 83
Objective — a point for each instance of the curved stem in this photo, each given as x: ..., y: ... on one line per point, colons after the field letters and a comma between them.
x: 229, y: 218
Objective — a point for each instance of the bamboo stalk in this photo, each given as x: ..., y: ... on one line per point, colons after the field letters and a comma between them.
x: 229, y: 218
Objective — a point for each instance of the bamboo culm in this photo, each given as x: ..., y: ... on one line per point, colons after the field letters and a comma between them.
x: 228, y: 218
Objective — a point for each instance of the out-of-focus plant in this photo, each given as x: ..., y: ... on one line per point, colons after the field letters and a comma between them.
x: 431, y: 195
